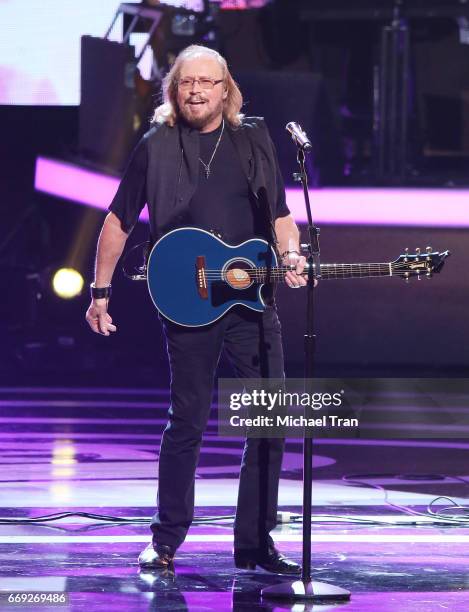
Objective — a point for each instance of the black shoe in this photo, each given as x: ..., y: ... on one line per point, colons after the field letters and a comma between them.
x: 272, y: 561
x: 159, y: 556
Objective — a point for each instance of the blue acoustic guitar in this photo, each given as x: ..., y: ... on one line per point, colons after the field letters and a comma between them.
x: 194, y: 277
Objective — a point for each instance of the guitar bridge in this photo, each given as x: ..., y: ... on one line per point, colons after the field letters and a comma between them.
x: 200, y: 277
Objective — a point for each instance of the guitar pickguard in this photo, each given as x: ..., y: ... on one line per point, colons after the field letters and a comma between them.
x: 221, y: 293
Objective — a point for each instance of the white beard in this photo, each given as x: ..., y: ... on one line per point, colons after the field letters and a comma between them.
x: 199, y: 122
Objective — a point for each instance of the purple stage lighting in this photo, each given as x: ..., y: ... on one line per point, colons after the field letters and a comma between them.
x: 359, y: 206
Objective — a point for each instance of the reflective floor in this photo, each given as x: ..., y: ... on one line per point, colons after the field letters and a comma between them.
x: 96, y: 451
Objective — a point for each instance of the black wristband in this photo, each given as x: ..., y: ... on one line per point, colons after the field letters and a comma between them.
x: 98, y: 293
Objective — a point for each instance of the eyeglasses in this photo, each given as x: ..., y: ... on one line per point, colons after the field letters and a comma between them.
x: 204, y: 82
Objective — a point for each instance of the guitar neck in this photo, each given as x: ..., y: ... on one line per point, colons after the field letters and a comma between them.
x: 357, y: 270
x: 328, y: 271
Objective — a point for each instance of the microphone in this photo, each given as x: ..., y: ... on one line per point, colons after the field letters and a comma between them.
x: 297, y: 134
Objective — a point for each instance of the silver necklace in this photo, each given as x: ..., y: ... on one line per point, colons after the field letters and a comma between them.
x: 207, y: 166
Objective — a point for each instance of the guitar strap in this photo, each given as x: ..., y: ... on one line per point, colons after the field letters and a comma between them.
x: 251, y: 152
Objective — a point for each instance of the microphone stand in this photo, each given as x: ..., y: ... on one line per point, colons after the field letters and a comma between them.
x: 306, y: 588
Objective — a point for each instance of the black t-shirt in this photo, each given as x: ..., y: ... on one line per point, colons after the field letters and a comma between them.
x: 223, y: 202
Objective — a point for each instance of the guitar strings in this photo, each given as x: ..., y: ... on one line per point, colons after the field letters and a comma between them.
x: 332, y: 269
x: 326, y: 270
x: 323, y: 266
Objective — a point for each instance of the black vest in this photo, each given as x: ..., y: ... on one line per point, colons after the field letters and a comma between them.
x: 173, y: 171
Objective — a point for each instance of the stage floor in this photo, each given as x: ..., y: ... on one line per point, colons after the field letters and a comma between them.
x: 95, y: 451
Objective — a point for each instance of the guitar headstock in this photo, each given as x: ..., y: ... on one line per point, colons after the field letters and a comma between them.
x: 419, y: 264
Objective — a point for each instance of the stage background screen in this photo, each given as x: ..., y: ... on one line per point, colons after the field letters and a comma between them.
x: 40, y: 48
x: 40, y: 45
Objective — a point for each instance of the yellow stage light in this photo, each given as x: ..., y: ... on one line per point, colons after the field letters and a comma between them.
x: 67, y: 283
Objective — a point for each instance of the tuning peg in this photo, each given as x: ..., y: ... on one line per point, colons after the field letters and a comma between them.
x: 429, y: 249
x: 417, y: 252
x: 406, y: 252
x: 429, y: 274
x: 406, y: 277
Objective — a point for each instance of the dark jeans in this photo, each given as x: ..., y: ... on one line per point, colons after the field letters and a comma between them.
x: 252, y: 342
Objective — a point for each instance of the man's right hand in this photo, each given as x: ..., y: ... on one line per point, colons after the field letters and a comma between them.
x: 98, y: 317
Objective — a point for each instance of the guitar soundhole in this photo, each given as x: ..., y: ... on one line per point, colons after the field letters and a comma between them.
x: 236, y: 274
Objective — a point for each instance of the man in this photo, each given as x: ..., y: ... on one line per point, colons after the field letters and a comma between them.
x: 205, y: 165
